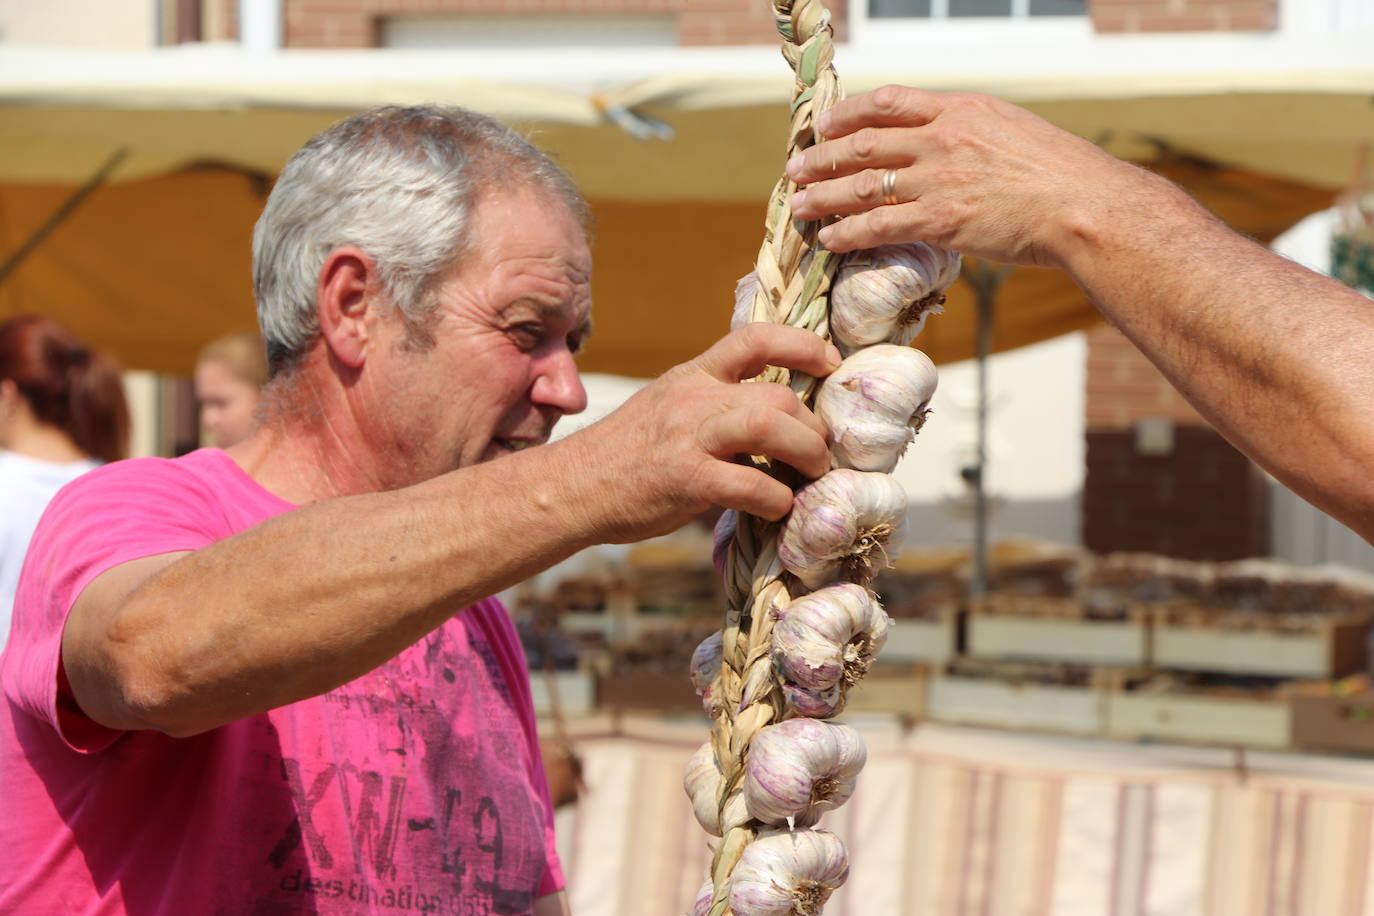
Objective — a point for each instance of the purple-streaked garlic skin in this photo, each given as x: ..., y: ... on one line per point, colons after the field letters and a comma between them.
x: 814, y: 704
x: 722, y: 536
x: 843, y: 525
x: 788, y: 873
x: 704, y: 670
x: 829, y: 637
x: 801, y: 768
x: 874, y: 404
x: 885, y: 294
x: 702, y: 905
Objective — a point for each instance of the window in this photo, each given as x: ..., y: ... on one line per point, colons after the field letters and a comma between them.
x: 529, y: 31
x: 971, y: 9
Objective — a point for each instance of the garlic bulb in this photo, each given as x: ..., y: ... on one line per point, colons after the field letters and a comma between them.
x: 702, y: 782
x: 883, y: 294
x: 744, y: 300
x: 788, y: 873
x: 840, y: 525
x: 829, y: 638
x: 820, y: 703
x: 721, y: 537
x: 874, y: 404
x: 702, y: 905
x: 705, y: 668
x: 800, y: 769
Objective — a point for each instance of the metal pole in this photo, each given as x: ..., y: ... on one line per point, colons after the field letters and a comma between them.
x: 986, y: 279
x: 61, y: 213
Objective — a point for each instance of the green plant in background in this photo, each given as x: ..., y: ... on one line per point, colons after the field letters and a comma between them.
x: 1352, y: 258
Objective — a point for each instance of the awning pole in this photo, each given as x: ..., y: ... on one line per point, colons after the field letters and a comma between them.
x: 61, y: 213
x: 986, y: 279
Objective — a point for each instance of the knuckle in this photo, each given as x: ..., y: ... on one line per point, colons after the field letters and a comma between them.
x: 750, y: 336
x: 883, y: 221
x: 887, y: 100
x: 776, y: 396
x: 869, y: 187
x: 758, y: 424
x: 864, y: 144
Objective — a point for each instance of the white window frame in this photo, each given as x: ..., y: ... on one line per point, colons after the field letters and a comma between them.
x: 938, y: 28
x: 1325, y: 16
x: 435, y: 31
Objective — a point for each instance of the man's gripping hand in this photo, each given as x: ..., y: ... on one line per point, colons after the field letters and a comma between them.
x: 673, y: 450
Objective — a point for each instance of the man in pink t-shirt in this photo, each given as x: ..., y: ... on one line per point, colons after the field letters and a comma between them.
x: 270, y: 679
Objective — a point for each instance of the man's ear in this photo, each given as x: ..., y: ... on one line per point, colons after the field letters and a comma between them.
x: 345, y: 291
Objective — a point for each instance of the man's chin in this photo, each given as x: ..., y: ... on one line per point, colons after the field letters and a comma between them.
x: 500, y: 448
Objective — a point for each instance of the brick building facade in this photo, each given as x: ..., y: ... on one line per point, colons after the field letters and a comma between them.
x: 358, y: 23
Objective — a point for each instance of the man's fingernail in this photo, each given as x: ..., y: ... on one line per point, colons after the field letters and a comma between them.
x: 796, y: 200
x: 795, y: 163
x: 823, y: 124
x: 832, y: 353
x: 824, y: 235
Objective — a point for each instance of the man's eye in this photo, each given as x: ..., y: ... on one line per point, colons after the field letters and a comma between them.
x: 527, y: 335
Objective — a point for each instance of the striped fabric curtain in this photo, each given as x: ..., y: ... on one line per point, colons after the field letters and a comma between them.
x: 951, y: 822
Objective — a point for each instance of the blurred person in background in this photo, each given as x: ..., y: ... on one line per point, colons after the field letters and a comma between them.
x: 62, y: 413
x: 230, y: 373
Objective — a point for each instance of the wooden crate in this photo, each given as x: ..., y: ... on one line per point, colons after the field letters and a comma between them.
x: 647, y: 691
x: 1331, y: 723
x: 1334, y: 649
x: 1199, y: 719
x: 1077, y: 640
x: 1008, y: 704
x: 916, y: 640
x: 899, y: 689
x: 575, y: 690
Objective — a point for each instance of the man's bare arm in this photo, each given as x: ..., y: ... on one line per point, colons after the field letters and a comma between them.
x: 314, y: 598
x: 1276, y: 357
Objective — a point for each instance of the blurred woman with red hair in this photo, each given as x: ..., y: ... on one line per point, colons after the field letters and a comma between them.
x: 62, y: 412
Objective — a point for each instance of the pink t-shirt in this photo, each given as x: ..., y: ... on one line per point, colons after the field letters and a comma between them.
x: 417, y: 787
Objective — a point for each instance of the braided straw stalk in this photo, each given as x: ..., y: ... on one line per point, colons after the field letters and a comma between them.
x: 794, y: 275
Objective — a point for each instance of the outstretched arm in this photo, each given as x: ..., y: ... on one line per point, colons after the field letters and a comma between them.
x: 1278, y: 358
x: 316, y: 597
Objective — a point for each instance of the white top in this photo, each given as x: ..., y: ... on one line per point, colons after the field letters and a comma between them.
x: 26, y: 486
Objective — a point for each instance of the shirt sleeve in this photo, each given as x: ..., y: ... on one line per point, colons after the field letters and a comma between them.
x: 115, y: 514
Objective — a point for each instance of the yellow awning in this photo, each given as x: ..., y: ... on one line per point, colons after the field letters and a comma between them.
x: 156, y: 261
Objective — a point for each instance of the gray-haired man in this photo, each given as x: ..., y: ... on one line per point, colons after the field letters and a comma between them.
x: 270, y: 680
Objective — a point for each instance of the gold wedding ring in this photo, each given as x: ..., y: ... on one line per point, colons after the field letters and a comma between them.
x: 890, y: 187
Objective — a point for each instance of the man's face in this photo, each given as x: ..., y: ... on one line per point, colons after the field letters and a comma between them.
x: 509, y: 321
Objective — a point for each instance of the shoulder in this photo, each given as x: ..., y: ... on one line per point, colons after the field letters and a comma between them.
x: 134, y: 480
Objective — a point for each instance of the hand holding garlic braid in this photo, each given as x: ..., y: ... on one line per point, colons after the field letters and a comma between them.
x: 685, y: 431
x: 1232, y: 325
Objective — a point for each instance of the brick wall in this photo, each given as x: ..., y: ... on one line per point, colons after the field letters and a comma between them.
x: 1183, y: 15
x: 1203, y: 500
x: 357, y: 23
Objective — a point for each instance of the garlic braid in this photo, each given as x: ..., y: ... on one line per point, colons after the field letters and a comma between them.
x: 794, y: 276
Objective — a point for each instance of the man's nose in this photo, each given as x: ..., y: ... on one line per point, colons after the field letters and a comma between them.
x: 559, y: 385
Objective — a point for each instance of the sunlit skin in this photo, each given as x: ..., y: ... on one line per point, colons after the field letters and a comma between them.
x: 1277, y: 358
x: 228, y: 403
x: 502, y: 370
